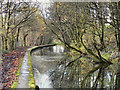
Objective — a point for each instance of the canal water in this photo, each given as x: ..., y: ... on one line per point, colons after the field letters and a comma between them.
x: 55, y: 68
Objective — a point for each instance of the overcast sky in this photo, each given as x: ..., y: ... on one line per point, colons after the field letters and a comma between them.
x: 48, y: 1
x: 42, y: 1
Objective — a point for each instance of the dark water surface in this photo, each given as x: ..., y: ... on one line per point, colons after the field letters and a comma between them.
x: 54, y: 68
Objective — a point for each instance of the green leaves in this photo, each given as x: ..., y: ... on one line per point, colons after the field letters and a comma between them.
x: 12, y: 26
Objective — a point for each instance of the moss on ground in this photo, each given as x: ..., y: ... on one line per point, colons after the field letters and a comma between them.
x: 0, y: 60
x: 15, y: 83
x: 31, y: 77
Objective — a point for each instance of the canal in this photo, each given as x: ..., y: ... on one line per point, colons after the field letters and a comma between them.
x: 55, y: 68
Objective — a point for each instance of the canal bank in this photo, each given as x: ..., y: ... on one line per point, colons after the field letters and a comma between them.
x: 44, y: 61
x: 26, y: 78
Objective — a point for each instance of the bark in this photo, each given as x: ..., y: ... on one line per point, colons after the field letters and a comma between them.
x: 25, y: 40
x: 118, y: 40
x: 102, y: 36
x: 17, y: 37
x: 5, y: 45
x: 2, y: 44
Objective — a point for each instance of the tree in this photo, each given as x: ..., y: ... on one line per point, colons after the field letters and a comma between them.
x: 13, y: 15
x: 65, y: 23
x: 71, y: 21
x: 115, y: 20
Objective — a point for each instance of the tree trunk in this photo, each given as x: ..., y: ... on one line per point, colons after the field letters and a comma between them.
x: 102, y: 37
x: 17, y: 37
x: 118, y: 25
x: 6, y: 48
x: 25, y: 40
x: 12, y: 44
x: 118, y: 40
x: 2, y: 45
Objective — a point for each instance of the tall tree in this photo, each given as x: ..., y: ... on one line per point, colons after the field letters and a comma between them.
x: 13, y: 15
x: 115, y: 20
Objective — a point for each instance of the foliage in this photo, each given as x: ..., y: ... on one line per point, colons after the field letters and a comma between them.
x: 88, y: 28
x: 31, y: 77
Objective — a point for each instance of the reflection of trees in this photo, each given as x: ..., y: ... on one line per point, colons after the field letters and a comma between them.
x: 117, y: 81
x: 100, y: 74
x: 98, y: 80
x: 67, y: 73
x: 80, y: 74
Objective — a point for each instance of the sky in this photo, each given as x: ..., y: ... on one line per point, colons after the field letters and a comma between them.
x: 48, y: 1
x: 43, y: 3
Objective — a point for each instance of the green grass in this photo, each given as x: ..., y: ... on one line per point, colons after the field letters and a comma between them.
x: 0, y: 60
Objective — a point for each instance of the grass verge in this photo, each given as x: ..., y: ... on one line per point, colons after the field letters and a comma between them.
x: 15, y: 83
x: 31, y: 77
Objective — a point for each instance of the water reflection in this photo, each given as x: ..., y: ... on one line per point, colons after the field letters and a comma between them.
x: 117, y: 81
x: 42, y: 80
x: 58, y: 49
x: 43, y: 62
x: 62, y: 70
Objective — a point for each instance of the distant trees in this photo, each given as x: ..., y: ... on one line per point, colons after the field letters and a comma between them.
x: 66, y: 22
x: 92, y: 26
x: 37, y: 31
x: 115, y: 20
x: 13, y: 15
x: 21, y: 25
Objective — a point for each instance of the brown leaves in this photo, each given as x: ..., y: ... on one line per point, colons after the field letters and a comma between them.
x: 10, y: 65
